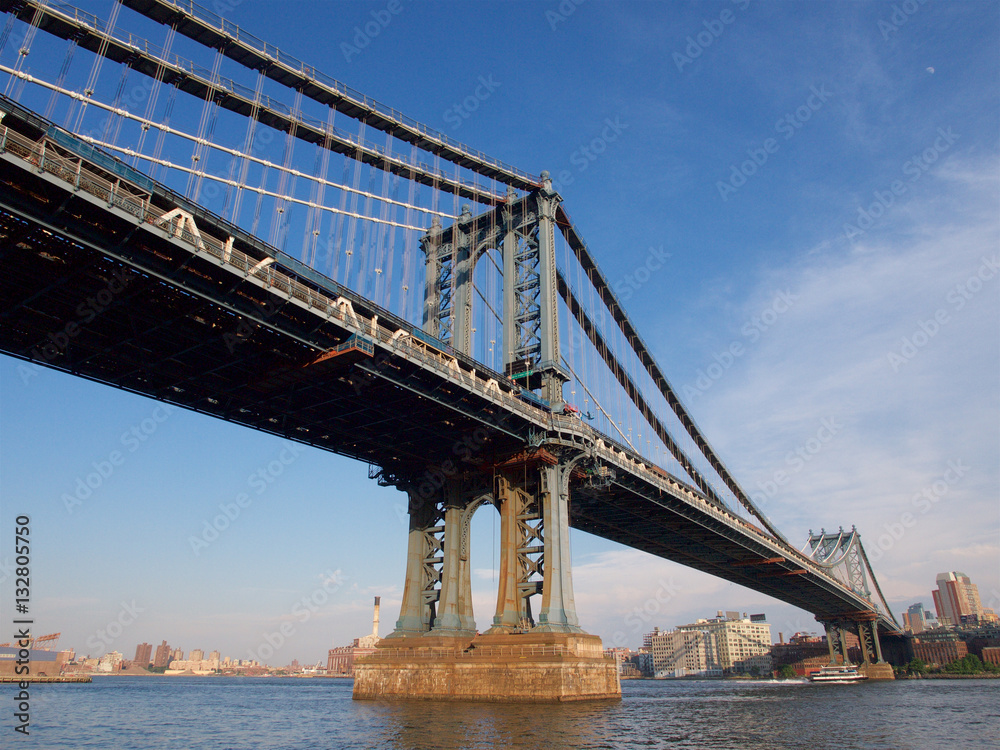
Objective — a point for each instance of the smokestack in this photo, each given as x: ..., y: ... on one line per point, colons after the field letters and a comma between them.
x: 781, y: 637
x: 375, y: 618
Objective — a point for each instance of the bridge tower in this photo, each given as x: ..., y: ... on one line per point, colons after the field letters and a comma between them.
x: 842, y: 551
x: 435, y: 651
x: 522, y: 230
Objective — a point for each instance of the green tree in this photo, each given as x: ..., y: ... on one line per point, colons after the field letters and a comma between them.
x: 916, y: 666
x: 787, y: 673
x: 969, y: 664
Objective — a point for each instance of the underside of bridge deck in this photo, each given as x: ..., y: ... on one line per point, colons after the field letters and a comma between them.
x: 89, y: 293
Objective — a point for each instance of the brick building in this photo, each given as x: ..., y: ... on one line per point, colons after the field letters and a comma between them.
x: 940, y: 652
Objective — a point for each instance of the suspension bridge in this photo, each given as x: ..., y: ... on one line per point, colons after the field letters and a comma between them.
x: 270, y: 247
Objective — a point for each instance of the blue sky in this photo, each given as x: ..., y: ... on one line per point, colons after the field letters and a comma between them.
x: 643, y: 112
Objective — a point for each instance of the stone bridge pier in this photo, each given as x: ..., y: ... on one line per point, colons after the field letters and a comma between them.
x: 435, y: 651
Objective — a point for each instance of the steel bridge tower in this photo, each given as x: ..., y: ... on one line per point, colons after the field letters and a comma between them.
x: 841, y: 551
x: 435, y: 650
x: 523, y: 231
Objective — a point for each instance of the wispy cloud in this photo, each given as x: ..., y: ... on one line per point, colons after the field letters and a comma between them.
x: 898, y: 427
x: 905, y: 292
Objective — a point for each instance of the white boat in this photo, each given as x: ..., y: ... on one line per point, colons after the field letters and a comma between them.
x: 837, y: 673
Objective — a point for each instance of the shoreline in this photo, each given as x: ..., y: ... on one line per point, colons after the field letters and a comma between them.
x: 86, y: 677
x: 983, y: 676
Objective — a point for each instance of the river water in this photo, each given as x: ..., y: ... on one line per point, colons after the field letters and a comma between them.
x: 163, y: 713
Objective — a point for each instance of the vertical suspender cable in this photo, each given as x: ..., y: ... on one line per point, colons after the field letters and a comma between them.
x: 154, y: 92
x: 249, y: 144
x: 352, y: 224
x: 368, y: 238
x: 339, y: 224
x: 161, y: 136
x: 410, y: 239
x: 315, y: 197
x: 7, y: 29
x: 309, y: 254
x: 95, y: 69
x: 199, y: 152
x: 61, y: 79
x: 391, y: 211
x: 380, y: 231
x: 286, y: 181
x: 260, y: 200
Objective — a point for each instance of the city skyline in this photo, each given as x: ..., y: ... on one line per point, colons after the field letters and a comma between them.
x: 367, y: 638
x: 843, y: 321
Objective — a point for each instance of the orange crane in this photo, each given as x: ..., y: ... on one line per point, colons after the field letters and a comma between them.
x: 46, y: 642
x: 49, y: 642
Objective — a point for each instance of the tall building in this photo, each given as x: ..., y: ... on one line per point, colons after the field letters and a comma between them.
x: 196, y: 654
x: 681, y: 653
x: 915, y: 618
x: 957, y: 597
x: 725, y: 644
x: 162, y: 656
x: 215, y: 656
x: 143, y: 654
x: 177, y: 654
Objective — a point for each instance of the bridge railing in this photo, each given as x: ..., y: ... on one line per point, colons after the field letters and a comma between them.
x: 438, y: 653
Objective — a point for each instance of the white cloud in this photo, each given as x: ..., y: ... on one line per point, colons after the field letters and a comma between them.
x: 903, y: 418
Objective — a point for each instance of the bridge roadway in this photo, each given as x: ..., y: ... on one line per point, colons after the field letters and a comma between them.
x: 112, y: 277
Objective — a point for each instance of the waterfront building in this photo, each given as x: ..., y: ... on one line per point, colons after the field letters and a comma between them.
x: 991, y: 655
x: 684, y: 653
x: 196, y: 654
x: 647, y: 640
x: 956, y: 596
x: 143, y: 654
x: 724, y: 645
x: 939, y: 652
x: 627, y: 660
x: 110, y: 662
x: 340, y: 660
x: 41, y: 662
x: 215, y: 655
x: 977, y: 639
x: 644, y: 662
x: 163, y: 656
x: 196, y: 666
x: 804, y: 653
x: 177, y: 655
x: 318, y: 669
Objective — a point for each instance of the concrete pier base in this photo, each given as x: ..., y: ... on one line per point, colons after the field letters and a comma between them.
x: 515, y: 668
x: 879, y: 671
